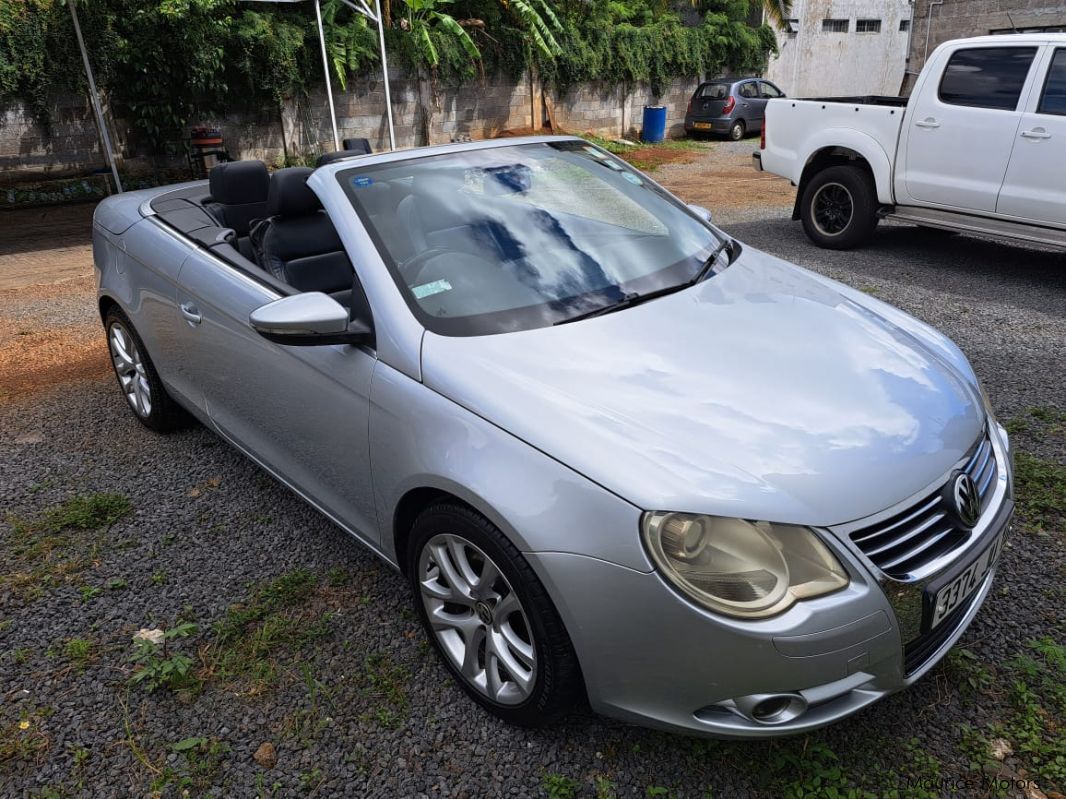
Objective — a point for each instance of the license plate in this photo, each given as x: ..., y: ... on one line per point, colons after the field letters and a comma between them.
x: 702, y: 125
x: 958, y: 590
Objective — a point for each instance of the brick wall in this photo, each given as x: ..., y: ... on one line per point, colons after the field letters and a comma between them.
x: 478, y: 110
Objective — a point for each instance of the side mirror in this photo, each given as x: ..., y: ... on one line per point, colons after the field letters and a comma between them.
x: 309, y: 319
x: 701, y: 212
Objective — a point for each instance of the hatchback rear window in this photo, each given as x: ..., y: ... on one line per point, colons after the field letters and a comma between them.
x: 715, y: 91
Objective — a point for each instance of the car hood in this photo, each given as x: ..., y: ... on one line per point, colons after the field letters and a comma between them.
x: 764, y: 392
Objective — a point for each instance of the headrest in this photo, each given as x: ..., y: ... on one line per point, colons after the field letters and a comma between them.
x: 289, y: 194
x: 239, y: 182
x: 337, y: 155
x: 361, y: 146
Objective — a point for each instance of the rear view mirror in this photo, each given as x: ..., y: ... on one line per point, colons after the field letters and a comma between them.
x: 309, y: 319
x: 701, y: 212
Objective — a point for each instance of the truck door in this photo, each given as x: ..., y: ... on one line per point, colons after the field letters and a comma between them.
x: 1035, y: 186
x: 962, y: 125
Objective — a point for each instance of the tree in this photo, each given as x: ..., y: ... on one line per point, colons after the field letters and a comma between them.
x: 777, y: 12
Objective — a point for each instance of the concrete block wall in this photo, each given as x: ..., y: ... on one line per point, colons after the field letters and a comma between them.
x: 301, y: 126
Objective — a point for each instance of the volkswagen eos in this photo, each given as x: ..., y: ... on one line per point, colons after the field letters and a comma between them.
x: 617, y: 455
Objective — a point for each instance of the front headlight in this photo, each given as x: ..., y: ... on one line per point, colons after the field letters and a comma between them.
x: 744, y: 569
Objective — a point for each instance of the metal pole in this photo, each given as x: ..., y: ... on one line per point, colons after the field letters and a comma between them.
x: 385, y: 72
x: 95, y: 99
x: 325, y: 67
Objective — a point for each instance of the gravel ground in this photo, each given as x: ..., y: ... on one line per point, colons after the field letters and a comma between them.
x: 361, y: 707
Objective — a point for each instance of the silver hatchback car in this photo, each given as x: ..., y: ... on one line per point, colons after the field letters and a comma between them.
x: 616, y: 454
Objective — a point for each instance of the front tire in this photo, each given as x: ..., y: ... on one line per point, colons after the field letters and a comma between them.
x: 839, y: 207
x: 490, y: 618
x: 137, y: 377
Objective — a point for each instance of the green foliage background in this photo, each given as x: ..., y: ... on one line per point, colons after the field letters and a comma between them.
x: 170, y: 60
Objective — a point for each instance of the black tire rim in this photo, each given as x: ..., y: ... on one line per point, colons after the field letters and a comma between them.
x: 832, y: 209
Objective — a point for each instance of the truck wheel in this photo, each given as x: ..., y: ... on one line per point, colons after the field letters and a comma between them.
x: 736, y: 133
x: 839, y: 207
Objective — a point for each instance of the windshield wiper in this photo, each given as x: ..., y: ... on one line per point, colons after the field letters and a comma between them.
x: 633, y: 298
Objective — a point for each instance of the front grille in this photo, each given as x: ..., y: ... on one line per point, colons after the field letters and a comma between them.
x: 903, y: 543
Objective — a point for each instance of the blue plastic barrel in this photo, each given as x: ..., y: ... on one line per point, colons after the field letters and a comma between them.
x: 654, y: 124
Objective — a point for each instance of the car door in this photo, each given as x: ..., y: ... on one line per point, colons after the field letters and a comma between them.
x: 767, y: 92
x: 962, y: 126
x: 1034, y: 188
x: 751, y: 107
x: 301, y: 411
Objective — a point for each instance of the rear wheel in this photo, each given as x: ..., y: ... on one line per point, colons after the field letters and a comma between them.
x: 737, y: 131
x: 839, y: 207
x: 138, y: 378
x: 490, y: 618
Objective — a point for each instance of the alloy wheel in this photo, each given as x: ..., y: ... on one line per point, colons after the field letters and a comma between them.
x: 832, y: 209
x: 129, y: 366
x: 478, y: 619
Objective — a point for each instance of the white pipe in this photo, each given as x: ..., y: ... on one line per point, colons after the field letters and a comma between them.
x: 385, y: 73
x: 325, y: 67
x: 95, y: 99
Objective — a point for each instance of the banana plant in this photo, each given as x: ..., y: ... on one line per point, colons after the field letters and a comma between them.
x: 540, y: 23
x: 777, y: 12
x: 422, y: 16
x: 349, y: 41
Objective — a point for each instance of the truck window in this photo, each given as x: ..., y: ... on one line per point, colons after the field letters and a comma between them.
x: 1054, y: 99
x: 986, y: 77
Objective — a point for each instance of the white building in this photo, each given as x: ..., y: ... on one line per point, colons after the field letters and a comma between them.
x: 843, y: 47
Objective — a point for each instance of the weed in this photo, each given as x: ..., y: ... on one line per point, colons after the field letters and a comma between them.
x: 337, y: 577
x: 78, y: 650
x: 556, y: 786
x: 202, y: 764
x: 965, y: 667
x: 312, y: 780
x: 158, y: 667
x: 159, y: 578
x: 117, y: 584
x: 1038, y: 695
x: 88, y: 592
x: 604, y: 788
x: 386, y: 685
x: 23, y: 741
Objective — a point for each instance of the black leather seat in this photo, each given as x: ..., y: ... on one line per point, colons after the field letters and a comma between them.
x: 297, y: 242
x: 239, y: 198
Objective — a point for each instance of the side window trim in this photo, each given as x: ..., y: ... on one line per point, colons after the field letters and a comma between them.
x: 1034, y: 52
x: 1055, y: 54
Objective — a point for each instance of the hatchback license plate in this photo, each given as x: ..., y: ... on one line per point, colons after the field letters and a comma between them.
x: 701, y: 125
x: 958, y: 590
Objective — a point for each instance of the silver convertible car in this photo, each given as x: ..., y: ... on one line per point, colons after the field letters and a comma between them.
x: 618, y: 455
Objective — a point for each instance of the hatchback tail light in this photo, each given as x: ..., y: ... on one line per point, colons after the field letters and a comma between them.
x: 730, y: 104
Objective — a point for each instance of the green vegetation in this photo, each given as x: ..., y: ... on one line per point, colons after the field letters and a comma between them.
x: 1038, y: 697
x: 270, y: 630
x: 1040, y: 487
x: 157, y: 666
x: 165, y: 62
x: 196, y: 771
x: 46, y: 550
x: 557, y: 786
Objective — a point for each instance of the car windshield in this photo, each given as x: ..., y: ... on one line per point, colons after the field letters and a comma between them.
x: 523, y: 236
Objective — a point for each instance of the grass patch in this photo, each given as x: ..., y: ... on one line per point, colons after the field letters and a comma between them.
x: 23, y: 741
x: 558, y: 786
x: 1040, y: 487
x: 648, y: 157
x: 1038, y: 696
x: 44, y: 551
x: 267, y: 633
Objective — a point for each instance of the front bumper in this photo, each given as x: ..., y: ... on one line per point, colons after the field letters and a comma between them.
x: 652, y: 658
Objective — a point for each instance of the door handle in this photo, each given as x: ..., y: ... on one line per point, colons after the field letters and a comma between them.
x: 191, y: 313
x: 928, y: 122
x: 1036, y: 133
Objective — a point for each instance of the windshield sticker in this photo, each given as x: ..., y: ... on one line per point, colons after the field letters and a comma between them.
x: 429, y: 289
x: 362, y: 182
x: 636, y: 181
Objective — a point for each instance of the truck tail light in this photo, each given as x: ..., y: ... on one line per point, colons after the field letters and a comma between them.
x: 730, y: 104
x: 762, y: 139
x: 689, y: 109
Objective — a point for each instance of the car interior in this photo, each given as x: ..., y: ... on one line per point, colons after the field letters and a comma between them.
x: 268, y: 225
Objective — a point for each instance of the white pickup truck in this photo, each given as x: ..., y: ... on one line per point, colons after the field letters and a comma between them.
x: 979, y: 147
